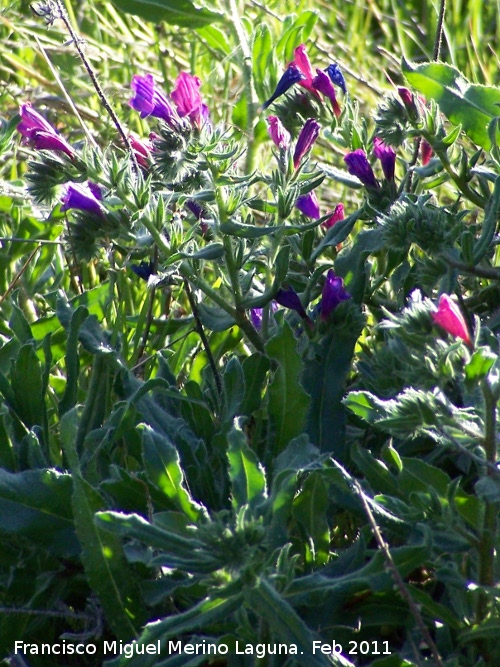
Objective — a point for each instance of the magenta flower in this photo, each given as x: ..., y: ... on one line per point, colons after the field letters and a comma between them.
x: 308, y: 204
x: 142, y: 150
x: 305, y: 142
x: 323, y: 84
x: 291, y: 76
x: 387, y: 157
x: 337, y: 215
x: 150, y: 101
x: 358, y: 165
x: 301, y: 60
x: 84, y: 197
x: 39, y: 133
x: 187, y: 98
x: 449, y: 318
x: 278, y: 133
x: 425, y: 152
x: 333, y: 293
x: 406, y: 97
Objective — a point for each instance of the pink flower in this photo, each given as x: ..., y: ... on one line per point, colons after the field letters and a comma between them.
x: 449, y: 318
x: 337, y: 215
x: 187, y: 98
x: 425, y: 152
x: 39, y: 133
x: 301, y: 60
x: 323, y: 84
x: 278, y: 133
x: 142, y: 150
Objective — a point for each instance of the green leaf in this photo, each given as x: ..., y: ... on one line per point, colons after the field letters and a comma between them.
x: 68, y: 401
x: 310, y: 508
x: 471, y: 105
x: 205, y: 614
x: 479, y: 366
x: 248, y: 479
x: 36, y: 505
x: 177, y: 12
x: 162, y: 466
x: 288, y: 402
x: 285, y: 624
x: 325, y: 378
x: 27, y: 387
x: 234, y: 389
x: 215, y: 318
x: 255, y: 370
x: 102, y: 553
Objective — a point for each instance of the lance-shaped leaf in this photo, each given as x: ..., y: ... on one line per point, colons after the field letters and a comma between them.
x: 177, y: 12
x: 248, y: 479
x: 470, y: 105
x: 288, y: 402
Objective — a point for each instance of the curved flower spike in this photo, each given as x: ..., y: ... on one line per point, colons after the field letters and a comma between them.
x: 291, y: 76
x: 39, y: 133
x: 449, y: 318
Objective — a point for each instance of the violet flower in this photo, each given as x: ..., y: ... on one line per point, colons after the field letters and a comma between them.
x: 358, y: 165
x: 84, y: 197
x: 323, y: 84
x: 288, y: 297
x: 40, y: 133
x: 144, y: 270
x: 150, y: 101
x: 337, y: 215
x: 333, y: 293
x: 336, y: 76
x: 308, y: 204
x: 187, y: 98
x: 257, y: 313
x: 449, y: 318
x: 291, y: 75
x: 278, y: 133
x: 387, y: 157
x: 306, y: 139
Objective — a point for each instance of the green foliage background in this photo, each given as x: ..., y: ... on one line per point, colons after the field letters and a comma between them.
x: 132, y: 486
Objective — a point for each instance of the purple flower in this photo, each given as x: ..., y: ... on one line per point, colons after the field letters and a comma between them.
x: 289, y: 298
x: 82, y: 196
x: 279, y: 134
x: 387, y: 157
x: 187, y: 98
x: 337, y: 215
x: 333, y: 293
x: 307, y: 137
x: 291, y: 76
x: 144, y: 270
x: 256, y: 315
x: 323, y: 84
x: 336, y: 76
x: 358, y: 165
x: 39, y: 133
x: 425, y: 152
x: 150, y: 101
x: 308, y: 204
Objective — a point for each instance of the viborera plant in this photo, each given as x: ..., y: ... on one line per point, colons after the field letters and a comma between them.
x: 264, y: 369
